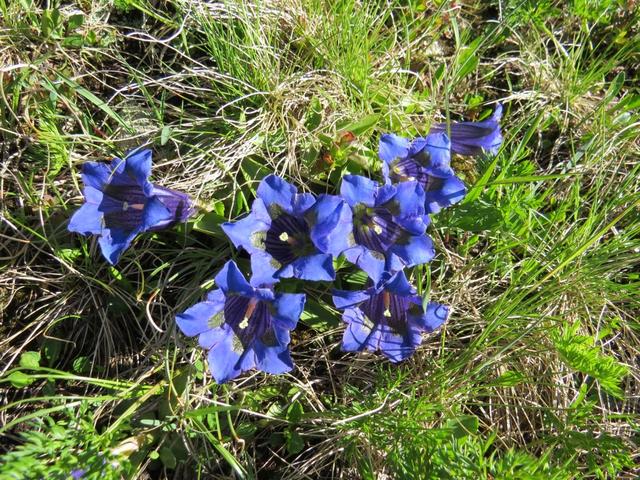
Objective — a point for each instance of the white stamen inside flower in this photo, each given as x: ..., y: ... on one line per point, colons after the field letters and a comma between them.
x: 284, y: 236
x: 377, y: 229
x: 125, y: 206
x: 386, y: 299
x: 248, y: 313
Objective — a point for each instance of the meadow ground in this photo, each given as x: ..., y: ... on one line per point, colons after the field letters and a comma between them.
x: 535, y: 375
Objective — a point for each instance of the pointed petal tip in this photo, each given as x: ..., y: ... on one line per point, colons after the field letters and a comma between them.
x: 231, y: 279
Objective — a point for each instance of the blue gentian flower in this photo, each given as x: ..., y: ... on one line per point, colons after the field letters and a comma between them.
x: 121, y: 202
x: 286, y: 232
x: 473, y: 138
x: 388, y: 317
x: 388, y: 226
x: 243, y: 327
x: 78, y: 473
x: 426, y: 161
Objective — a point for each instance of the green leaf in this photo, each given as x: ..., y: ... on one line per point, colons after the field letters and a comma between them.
x: 204, y: 411
x: 253, y: 170
x: 46, y: 23
x: 51, y: 349
x: 91, y: 37
x: 69, y: 254
x: 20, y: 380
x: 580, y: 353
x: 629, y: 102
x: 116, y: 273
x: 75, y: 21
x: 463, y: 426
x: 30, y: 360
x: 295, y: 412
x: 476, y: 190
x: 165, y: 134
x: 167, y: 458
x: 440, y: 72
x: 614, y: 88
x: 199, y: 366
x: 476, y: 217
x: 275, y: 410
x: 81, y: 365
x: 468, y: 63
x: 510, y: 379
x: 318, y: 317
x: 294, y: 442
x: 362, y: 125
x: 73, y: 41
x: 218, y: 207
x: 246, y: 430
x: 528, y: 179
x: 210, y: 223
x: 97, y: 102
x: 154, y: 455
x: 314, y: 114
x: 267, y: 392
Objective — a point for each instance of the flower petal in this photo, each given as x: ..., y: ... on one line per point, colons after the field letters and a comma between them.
x: 179, y: 204
x: 114, y: 241
x: 263, y: 268
x: 317, y: 267
x: 96, y: 174
x: 86, y: 220
x: 433, y: 153
x: 392, y: 146
x: 275, y: 190
x: 385, y: 193
x: 92, y: 195
x: 331, y: 225
x: 155, y: 213
x: 288, y: 308
x: 399, y: 285
x: 303, y: 202
x: 203, y: 316
x: 138, y: 165
x: 225, y: 358
x: 343, y: 299
x: 356, y: 189
x: 472, y: 138
x: 407, y: 207
x: 373, y: 263
x: 212, y: 337
x: 274, y: 359
x: 361, y: 333
x: 231, y: 280
x: 414, y: 249
x: 433, y: 318
x: 250, y: 232
x: 443, y: 192
x: 399, y: 347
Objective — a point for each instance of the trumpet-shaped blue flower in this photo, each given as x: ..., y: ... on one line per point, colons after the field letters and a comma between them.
x: 473, y: 138
x: 388, y: 317
x: 426, y: 161
x: 78, y: 473
x: 288, y: 234
x: 388, y: 226
x: 120, y: 203
x: 243, y: 327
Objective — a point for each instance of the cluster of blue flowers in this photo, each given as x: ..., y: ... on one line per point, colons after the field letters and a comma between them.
x: 381, y: 228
